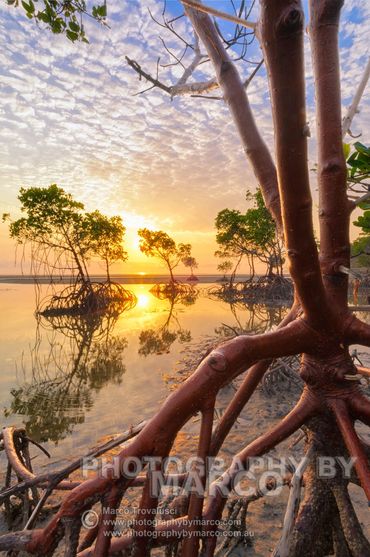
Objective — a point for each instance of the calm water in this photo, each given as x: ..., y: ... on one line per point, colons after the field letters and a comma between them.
x: 74, y: 383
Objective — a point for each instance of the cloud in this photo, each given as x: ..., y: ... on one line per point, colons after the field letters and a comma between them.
x: 69, y: 114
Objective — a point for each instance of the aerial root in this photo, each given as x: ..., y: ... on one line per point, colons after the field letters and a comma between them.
x: 179, y: 291
x: 88, y: 298
x: 357, y: 543
x: 303, y: 410
x: 272, y: 289
x: 359, y: 407
x: 353, y: 443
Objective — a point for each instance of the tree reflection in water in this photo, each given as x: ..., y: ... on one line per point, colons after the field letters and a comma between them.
x: 159, y: 341
x: 82, y: 357
x: 247, y: 318
x: 260, y: 318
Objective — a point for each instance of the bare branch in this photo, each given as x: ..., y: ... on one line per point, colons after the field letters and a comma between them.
x: 353, y: 108
x: 190, y: 69
x: 353, y: 443
x: 249, y: 78
x: 282, y: 549
x: 360, y: 200
x: 237, y: 100
x: 246, y: 83
x: 135, y: 66
x: 223, y: 15
x: 197, y: 88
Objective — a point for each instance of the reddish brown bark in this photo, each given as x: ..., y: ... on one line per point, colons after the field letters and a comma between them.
x: 281, y: 28
x: 334, y: 208
x: 191, y: 544
x: 353, y: 443
x: 360, y: 409
x: 245, y: 391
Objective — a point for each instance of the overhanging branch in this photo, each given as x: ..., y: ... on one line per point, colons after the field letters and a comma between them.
x: 235, y: 96
x: 217, y: 13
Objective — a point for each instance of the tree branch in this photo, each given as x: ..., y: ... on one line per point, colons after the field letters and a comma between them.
x: 358, y: 332
x: 353, y: 443
x: 304, y: 408
x: 217, y: 13
x: 281, y: 32
x: 360, y: 200
x: 245, y: 391
x: 282, y: 548
x: 55, y: 478
x: 360, y: 408
x: 353, y: 108
x: 334, y: 208
x: 237, y: 100
x: 194, y: 89
x: 135, y: 66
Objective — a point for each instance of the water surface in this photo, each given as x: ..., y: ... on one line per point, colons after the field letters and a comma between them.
x: 72, y: 382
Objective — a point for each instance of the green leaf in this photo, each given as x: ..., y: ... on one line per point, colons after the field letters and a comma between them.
x: 346, y: 150
x: 102, y: 10
x: 361, y: 148
x: 74, y: 26
x: 42, y: 16
x: 99, y: 11
x: 30, y: 8
x: 71, y: 35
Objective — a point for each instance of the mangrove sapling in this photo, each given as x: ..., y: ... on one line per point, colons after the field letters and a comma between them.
x: 62, y: 237
x: 156, y: 243
x: 252, y: 235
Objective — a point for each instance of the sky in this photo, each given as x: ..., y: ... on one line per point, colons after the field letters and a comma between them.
x: 70, y: 114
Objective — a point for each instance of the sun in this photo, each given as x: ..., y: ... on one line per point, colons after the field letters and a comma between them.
x: 133, y: 222
x: 143, y: 300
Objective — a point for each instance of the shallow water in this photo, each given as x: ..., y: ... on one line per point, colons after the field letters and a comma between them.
x: 71, y: 386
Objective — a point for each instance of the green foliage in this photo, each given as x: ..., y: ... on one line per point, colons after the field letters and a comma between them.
x: 358, y: 162
x: 156, y: 243
x: 70, y: 378
x: 360, y: 251
x: 105, y: 235
x: 225, y: 266
x: 60, y: 232
x: 190, y: 262
x: 159, y: 341
x: 62, y: 16
x: 363, y: 220
x: 48, y: 210
x: 252, y: 233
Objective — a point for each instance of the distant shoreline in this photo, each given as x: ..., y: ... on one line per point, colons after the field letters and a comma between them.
x: 121, y: 279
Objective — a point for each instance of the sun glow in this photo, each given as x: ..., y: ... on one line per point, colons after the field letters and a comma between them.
x: 143, y: 300
x: 133, y: 222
